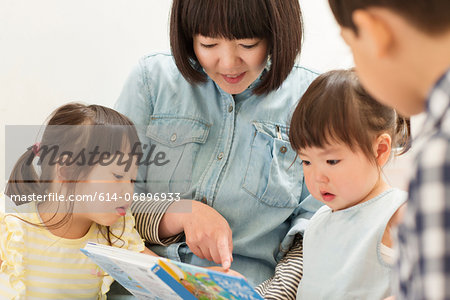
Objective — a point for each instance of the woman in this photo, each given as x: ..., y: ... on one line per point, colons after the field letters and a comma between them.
x: 214, y: 115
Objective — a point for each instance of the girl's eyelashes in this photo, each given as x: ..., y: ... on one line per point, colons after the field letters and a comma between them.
x: 329, y: 161
x: 306, y: 163
x: 117, y: 176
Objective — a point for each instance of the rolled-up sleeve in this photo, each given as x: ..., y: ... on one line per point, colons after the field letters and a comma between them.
x: 148, y: 215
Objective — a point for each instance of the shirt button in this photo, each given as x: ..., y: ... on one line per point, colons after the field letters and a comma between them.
x: 220, y: 156
x: 173, y: 138
x: 230, y: 108
x: 204, y: 200
x: 283, y: 149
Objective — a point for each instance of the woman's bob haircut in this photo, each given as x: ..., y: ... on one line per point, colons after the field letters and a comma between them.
x: 277, y: 21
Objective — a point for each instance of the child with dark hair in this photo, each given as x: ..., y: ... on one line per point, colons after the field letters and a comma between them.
x: 70, y: 188
x: 401, y: 50
x: 343, y: 138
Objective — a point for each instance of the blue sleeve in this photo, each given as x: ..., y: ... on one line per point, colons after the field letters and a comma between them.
x: 300, y: 217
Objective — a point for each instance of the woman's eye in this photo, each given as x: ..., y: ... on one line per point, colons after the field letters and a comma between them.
x: 305, y: 163
x: 333, y: 161
x: 249, y: 46
x: 117, y: 176
x: 207, y: 45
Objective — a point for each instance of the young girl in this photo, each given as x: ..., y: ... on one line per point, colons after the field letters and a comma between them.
x: 343, y: 138
x: 67, y: 190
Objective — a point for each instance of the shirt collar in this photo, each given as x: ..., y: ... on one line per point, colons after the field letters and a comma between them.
x: 249, y: 91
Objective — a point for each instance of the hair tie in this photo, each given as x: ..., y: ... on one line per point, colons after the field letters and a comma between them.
x: 36, y: 148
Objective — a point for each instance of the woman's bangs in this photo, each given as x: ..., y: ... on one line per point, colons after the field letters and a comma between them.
x: 228, y: 19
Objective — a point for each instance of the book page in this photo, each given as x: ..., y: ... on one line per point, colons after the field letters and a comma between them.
x: 144, y: 284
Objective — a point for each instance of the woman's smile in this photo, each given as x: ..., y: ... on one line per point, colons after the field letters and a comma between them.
x: 233, y: 79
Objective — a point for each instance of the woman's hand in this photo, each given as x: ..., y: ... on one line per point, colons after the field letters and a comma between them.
x: 208, y: 234
x: 228, y: 272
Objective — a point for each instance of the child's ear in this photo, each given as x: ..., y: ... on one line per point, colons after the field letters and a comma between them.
x: 382, y: 149
x: 62, y: 171
x: 374, y: 31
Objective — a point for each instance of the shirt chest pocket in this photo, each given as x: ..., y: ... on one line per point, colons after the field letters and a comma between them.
x: 175, y: 140
x: 273, y: 175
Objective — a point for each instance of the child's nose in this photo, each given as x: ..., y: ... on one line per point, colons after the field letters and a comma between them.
x: 320, y: 176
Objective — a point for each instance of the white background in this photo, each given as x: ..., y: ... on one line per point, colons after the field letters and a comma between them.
x: 56, y: 51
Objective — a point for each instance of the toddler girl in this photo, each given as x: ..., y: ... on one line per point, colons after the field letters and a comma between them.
x: 71, y: 188
x: 343, y: 138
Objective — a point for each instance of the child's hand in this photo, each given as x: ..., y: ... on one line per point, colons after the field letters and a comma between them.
x: 228, y: 272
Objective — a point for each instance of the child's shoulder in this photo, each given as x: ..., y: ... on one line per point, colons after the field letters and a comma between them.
x: 12, y: 243
x: 322, y: 211
x: 12, y: 213
x: 16, y: 225
x: 398, y: 192
x: 399, y: 196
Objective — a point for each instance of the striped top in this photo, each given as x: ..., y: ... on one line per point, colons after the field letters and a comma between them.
x: 288, y: 273
x: 148, y: 216
x: 39, y: 265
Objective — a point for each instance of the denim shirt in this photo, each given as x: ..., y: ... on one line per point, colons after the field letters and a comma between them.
x: 230, y: 152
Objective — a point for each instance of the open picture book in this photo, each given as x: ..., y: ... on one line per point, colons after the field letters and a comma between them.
x: 150, y: 277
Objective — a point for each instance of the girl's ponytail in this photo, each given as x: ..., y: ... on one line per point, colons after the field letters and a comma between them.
x: 24, y: 180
